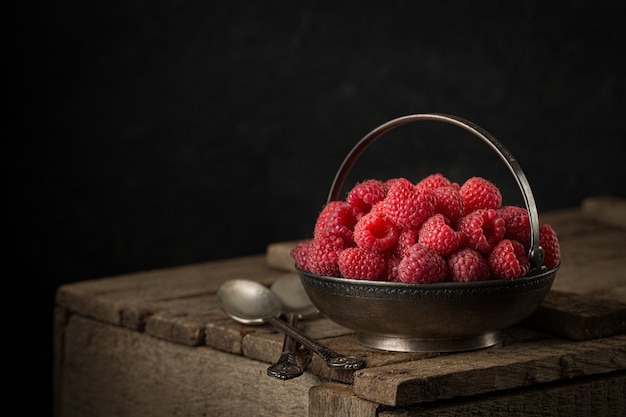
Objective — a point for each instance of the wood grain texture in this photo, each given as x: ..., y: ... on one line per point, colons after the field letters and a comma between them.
x: 595, y: 397
x: 278, y: 256
x: 593, y: 264
x: 489, y: 370
x: 579, y: 317
x: 333, y: 399
x: 112, y: 371
x: 606, y: 209
x: 121, y: 300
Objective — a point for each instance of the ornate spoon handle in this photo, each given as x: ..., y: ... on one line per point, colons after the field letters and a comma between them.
x: 332, y: 358
x: 286, y: 367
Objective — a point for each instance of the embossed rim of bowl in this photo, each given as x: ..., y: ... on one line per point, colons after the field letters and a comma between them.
x: 445, y: 316
x: 442, y: 290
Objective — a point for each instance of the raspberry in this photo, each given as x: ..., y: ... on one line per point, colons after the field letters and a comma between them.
x: 406, y: 239
x: 406, y: 206
x: 483, y: 229
x: 337, y: 218
x: 365, y: 195
x: 517, y: 224
x: 437, y: 235
x: 391, y: 273
x: 299, y: 254
x: 421, y: 266
x: 449, y: 202
x: 479, y: 193
x: 433, y: 182
x: 374, y: 232
x: 508, y: 260
x: 422, y: 232
x: 467, y: 265
x: 322, y: 255
x: 359, y: 263
x: 550, y: 243
x: 390, y: 182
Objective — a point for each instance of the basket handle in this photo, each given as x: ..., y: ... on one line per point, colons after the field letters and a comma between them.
x: 536, y: 252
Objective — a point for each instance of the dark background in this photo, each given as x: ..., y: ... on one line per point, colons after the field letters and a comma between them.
x: 153, y: 134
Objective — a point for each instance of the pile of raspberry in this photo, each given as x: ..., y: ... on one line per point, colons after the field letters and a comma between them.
x: 431, y: 231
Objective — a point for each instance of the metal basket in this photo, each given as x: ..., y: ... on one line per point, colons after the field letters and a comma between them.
x: 438, y: 317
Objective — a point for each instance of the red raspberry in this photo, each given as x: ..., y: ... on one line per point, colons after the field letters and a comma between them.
x: 467, y: 265
x: 337, y: 218
x: 449, y: 202
x: 375, y: 232
x: 359, y: 263
x: 391, y: 273
x: 421, y: 266
x: 479, y: 193
x: 299, y: 254
x: 482, y: 228
x: 433, y: 182
x: 508, y: 260
x: 517, y: 224
x: 390, y: 182
x: 407, y: 207
x: 549, y: 241
x: 437, y: 235
x: 406, y: 239
x: 365, y: 195
x: 322, y: 255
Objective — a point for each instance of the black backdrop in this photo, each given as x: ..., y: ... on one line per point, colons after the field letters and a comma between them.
x: 155, y: 134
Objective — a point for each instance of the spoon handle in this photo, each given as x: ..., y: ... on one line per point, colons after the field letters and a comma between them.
x: 332, y: 358
x: 286, y: 367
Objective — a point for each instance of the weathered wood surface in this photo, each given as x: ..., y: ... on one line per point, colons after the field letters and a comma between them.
x: 489, y: 370
x: 171, y: 314
x: 115, y: 300
x: 579, y: 317
x: 592, y: 396
x: 278, y: 256
x: 609, y: 210
x: 113, y: 371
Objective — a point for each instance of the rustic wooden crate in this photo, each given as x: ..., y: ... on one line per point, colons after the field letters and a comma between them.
x: 155, y: 344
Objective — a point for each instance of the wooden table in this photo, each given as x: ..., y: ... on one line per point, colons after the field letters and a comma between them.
x: 155, y: 344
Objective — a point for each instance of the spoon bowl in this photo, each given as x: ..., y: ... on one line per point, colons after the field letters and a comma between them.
x: 293, y: 296
x: 248, y: 302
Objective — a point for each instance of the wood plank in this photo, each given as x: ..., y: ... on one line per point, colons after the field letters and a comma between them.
x: 113, y: 371
x: 60, y: 319
x: 181, y: 320
x: 593, y: 264
x: 606, y: 209
x: 598, y: 397
x: 278, y: 256
x: 579, y: 317
x: 333, y: 399
x: 489, y: 370
x: 570, y: 222
x: 114, y: 300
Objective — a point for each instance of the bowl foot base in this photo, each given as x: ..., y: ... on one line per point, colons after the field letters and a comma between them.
x: 414, y: 344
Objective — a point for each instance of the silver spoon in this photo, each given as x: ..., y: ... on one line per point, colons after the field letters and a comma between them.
x: 293, y: 296
x: 296, y: 304
x: 250, y: 302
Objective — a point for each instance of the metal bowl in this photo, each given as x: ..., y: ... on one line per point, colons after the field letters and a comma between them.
x: 442, y: 317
